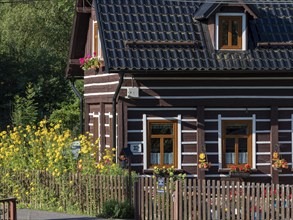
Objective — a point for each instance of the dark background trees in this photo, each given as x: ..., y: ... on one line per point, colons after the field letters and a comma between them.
x: 34, y: 41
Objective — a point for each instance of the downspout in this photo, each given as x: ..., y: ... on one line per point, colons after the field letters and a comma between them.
x: 114, y: 102
x: 79, y: 96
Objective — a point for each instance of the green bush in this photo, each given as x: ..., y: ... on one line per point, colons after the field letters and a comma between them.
x: 114, y: 209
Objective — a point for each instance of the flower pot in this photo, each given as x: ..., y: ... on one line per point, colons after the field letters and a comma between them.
x: 239, y: 174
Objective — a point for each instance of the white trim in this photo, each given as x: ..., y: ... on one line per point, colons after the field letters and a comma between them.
x: 211, y: 142
x: 285, y: 153
x: 212, y: 153
x: 217, y: 97
x: 189, y: 164
x: 137, y: 164
x: 99, y: 93
x: 134, y: 131
x: 284, y: 120
x: 292, y: 138
x: 263, y: 153
x: 207, y: 87
x: 220, y: 141
x: 179, y: 129
x: 285, y: 131
x: 263, y: 120
x: 285, y: 142
x: 188, y: 142
x: 100, y: 75
x: 263, y: 164
x: 159, y: 109
x: 286, y: 174
x: 243, y: 15
x: 191, y: 175
x: 189, y: 131
x: 285, y: 109
x: 144, y: 143
x: 134, y: 120
x: 107, y: 146
x: 190, y: 119
x: 189, y: 153
x: 100, y: 84
x: 91, y: 124
x: 162, y: 118
x: 260, y: 175
x: 236, y: 118
x: 207, y: 78
x: 253, y: 141
x: 211, y: 131
x: 211, y: 120
x: 237, y: 109
x: 91, y: 114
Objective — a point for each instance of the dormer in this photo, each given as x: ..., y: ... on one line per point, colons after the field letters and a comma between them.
x: 227, y: 24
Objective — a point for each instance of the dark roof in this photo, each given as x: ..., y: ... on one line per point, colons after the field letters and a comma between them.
x: 146, y: 34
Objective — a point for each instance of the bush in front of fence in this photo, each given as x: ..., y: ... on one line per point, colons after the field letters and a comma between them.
x: 115, y: 209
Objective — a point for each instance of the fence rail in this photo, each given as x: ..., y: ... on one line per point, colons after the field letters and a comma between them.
x: 8, y: 209
x: 71, y: 193
x: 195, y: 199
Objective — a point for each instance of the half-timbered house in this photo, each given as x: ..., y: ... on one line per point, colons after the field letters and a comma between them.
x: 184, y: 77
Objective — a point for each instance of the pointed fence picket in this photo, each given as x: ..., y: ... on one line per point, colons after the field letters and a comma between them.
x: 210, y: 199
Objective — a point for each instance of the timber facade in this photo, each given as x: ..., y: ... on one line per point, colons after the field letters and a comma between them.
x: 235, y: 106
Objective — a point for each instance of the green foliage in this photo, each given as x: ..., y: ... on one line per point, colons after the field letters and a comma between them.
x: 25, y: 110
x: 34, y: 40
x: 115, y: 209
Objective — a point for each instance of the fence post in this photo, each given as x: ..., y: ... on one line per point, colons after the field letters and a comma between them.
x: 136, y: 200
x: 12, y: 206
x: 176, y: 201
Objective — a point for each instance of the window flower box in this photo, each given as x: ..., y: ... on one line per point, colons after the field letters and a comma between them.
x: 239, y: 174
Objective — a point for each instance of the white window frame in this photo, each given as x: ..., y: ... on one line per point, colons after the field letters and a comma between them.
x: 99, y: 52
x: 253, y: 133
x: 244, y: 30
x: 145, y: 144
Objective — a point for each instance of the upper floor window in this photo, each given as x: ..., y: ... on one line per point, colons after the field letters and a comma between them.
x: 96, y: 45
x: 162, y: 147
x: 230, y: 31
x: 237, y: 143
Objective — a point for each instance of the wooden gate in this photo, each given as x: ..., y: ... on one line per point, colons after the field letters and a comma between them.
x: 8, y: 209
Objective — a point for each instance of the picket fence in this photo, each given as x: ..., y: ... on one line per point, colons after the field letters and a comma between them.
x: 71, y: 193
x: 205, y: 199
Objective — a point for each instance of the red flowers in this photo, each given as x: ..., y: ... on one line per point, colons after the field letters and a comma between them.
x: 246, y: 168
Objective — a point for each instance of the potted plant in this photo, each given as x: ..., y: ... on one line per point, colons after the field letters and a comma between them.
x: 240, y: 171
x: 203, y: 163
x: 278, y: 163
x: 89, y: 62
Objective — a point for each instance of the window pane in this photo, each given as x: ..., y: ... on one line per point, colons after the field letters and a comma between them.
x: 230, y: 150
x: 235, y: 32
x: 162, y: 128
x: 155, y: 151
x: 243, y: 151
x: 225, y: 25
x: 168, y: 151
x: 237, y: 129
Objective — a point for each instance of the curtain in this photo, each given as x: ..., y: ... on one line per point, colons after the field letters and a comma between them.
x: 230, y: 158
x: 242, y: 158
x: 168, y: 158
x: 155, y: 158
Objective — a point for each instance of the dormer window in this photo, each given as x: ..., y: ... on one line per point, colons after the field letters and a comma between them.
x: 230, y: 31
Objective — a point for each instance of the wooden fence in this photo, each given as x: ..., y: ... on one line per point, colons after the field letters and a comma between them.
x: 8, y: 209
x: 194, y: 199
x: 72, y: 193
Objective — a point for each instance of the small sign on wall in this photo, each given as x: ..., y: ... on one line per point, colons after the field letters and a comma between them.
x: 136, y: 148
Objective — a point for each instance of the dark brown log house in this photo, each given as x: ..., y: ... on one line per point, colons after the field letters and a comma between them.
x: 184, y: 77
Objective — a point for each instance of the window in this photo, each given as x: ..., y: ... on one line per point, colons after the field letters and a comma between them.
x: 96, y: 41
x: 230, y: 31
x: 162, y: 143
x: 237, y: 143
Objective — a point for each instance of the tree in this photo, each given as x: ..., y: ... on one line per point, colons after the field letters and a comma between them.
x: 25, y: 110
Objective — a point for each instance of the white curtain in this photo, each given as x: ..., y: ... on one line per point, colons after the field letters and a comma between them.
x: 230, y: 158
x: 168, y: 158
x: 155, y: 158
x: 242, y: 158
